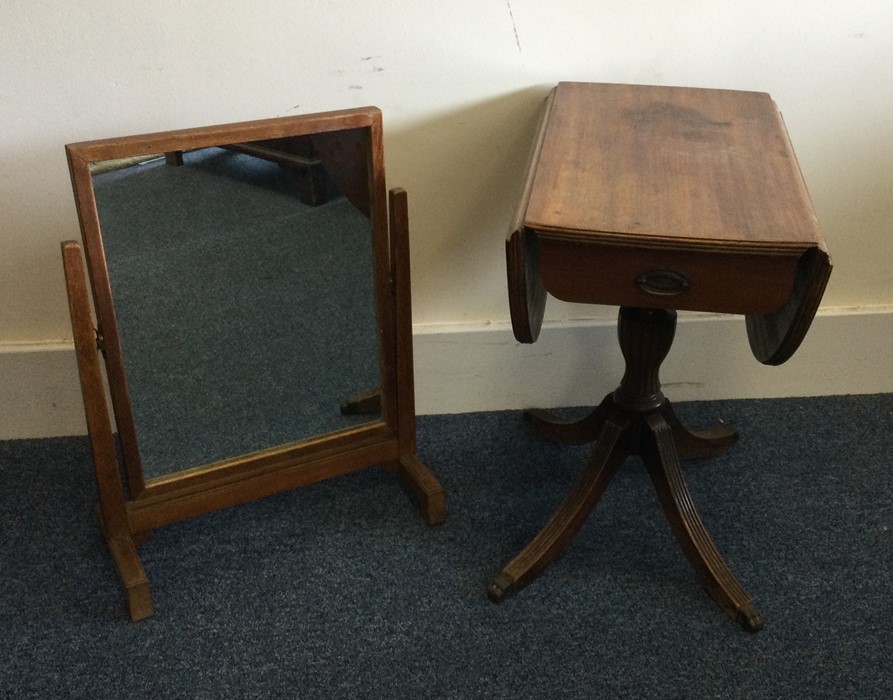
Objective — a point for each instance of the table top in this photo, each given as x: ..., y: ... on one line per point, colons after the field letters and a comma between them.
x: 685, y: 165
x: 668, y: 197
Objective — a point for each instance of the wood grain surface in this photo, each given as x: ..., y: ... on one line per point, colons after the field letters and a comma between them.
x: 683, y: 164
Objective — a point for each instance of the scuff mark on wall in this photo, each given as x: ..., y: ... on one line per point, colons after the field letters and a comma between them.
x: 508, y: 4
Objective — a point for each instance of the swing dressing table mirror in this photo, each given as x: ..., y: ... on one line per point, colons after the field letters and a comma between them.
x: 249, y: 286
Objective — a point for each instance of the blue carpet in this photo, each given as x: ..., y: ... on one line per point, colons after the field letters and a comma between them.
x: 340, y: 590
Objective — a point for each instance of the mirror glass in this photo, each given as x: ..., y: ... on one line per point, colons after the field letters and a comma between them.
x: 243, y: 283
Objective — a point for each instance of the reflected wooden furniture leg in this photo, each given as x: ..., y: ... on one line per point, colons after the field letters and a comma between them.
x: 636, y: 419
x: 362, y: 403
x: 112, y: 508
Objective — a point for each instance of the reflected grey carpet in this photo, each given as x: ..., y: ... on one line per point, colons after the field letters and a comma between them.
x: 340, y: 590
x: 232, y: 299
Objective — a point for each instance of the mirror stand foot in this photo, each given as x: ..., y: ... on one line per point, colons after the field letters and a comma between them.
x: 133, y: 577
x: 425, y: 487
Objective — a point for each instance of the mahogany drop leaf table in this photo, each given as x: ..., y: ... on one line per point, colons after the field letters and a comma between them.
x: 658, y: 199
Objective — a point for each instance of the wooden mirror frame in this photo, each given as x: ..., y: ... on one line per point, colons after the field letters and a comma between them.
x: 130, y: 506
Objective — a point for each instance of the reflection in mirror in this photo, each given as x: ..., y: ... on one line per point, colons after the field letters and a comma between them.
x: 256, y: 318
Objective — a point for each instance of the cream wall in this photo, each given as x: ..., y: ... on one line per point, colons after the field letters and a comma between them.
x: 460, y: 85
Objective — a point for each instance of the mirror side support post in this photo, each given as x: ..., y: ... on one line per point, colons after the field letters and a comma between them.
x: 112, y: 504
x: 426, y: 487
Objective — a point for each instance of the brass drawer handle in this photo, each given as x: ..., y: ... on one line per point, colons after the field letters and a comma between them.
x: 663, y: 283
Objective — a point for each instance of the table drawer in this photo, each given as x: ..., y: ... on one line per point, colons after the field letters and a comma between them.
x: 717, y: 280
